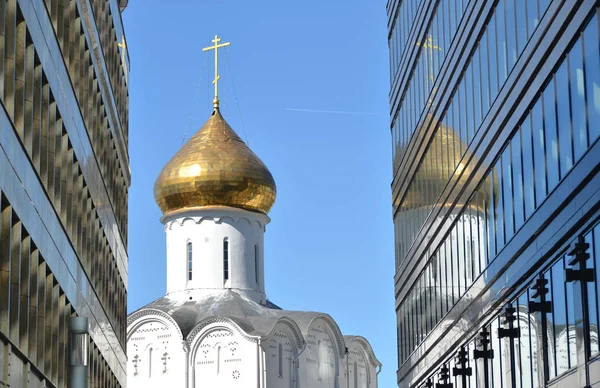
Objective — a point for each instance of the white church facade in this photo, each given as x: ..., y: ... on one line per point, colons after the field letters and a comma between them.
x: 215, y: 326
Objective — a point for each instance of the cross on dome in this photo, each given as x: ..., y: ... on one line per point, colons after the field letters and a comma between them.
x: 216, y: 47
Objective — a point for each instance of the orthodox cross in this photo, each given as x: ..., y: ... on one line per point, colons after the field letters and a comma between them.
x: 164, y: 359
x: 216, y: 47
x: 511, y: 333
x: 579, y: 272
x: 462, y: 369
x: 135, y: 361
x: 444, y: 378
x: 485, y: 353
x: 544, y: 307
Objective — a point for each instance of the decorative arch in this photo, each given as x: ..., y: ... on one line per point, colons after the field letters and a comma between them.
x: 293, y: 331
x: 244, y: 219
x: 224, y: 219
x: 197, y: 332
x: 186, y: 219
x: 334, y: 332
x: 367, y: 349
x: 147, y: 315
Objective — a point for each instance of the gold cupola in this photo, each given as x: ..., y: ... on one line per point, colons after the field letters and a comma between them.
x: 215, y: 168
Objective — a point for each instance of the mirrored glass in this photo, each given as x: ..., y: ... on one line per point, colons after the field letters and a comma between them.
x: 596, y: 253
x: 560, y: 350
x: 507, y: 193
x: 592, y: 76
x: 537, y: 126
x: 517, y: 175
x: 501, y: 42
x: 521, y: 22
x: 477, y: 89
x: 532, y: 16
x: 592, y: 301
x: 577, y: 90
x: 551, y: 139
x: 499, y: 210
x: 492, y: 59
x: 563, y: 110
x: 571, y: 330
x: 484, y: 75
x: 469, y: 108
x: 511, y: 33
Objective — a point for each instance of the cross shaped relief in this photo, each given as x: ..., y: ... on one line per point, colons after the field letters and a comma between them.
x: 135, y: 361
x: 164, y: 359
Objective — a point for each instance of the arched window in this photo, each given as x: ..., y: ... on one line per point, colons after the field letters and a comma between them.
x: 189, y: 260
x: 256, y: 263
x: 280, y: 348
x: 226, y: 259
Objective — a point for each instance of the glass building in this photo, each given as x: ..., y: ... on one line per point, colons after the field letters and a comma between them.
x: 64, y: 177
x: 495, y: 120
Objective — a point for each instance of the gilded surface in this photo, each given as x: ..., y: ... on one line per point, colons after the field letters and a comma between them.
x: 215, y: 168
x: 441, y: 160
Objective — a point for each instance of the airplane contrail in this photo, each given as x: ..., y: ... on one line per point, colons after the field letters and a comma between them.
x: 337, y: 112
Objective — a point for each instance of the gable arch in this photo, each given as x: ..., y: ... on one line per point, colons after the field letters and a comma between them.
x: 292, y: 329
x: 143, y: 316
x: 334, y: 332
x: 366, y: 348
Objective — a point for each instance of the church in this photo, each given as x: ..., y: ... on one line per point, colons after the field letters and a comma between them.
x: 215, y: 326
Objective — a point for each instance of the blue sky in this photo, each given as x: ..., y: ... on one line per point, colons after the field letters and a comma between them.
x: 329, y: 246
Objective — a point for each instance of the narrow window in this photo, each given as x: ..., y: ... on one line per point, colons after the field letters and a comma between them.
x: 149, y: 362
x: 256, y: 263
x: 226, y: 259
x: 355, y: 374
x: 218, y: 359
x: 319, y: 371
x: 189, y: 260
x: 280, y: 361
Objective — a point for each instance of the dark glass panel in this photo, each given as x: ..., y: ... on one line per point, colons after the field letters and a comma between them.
x: 577, y: 88
x: 592, y: 76
x: 560, y: 349
x: 551, y: 136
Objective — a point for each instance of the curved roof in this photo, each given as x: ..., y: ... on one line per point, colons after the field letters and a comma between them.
x: 253, y: 318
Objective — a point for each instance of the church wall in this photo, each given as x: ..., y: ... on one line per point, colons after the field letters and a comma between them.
x: 223, y: 357
x: 320, y: 365
x: 156, y: 356
x: 207, y: 232
x: 280, y: 353
x: 360, y: 372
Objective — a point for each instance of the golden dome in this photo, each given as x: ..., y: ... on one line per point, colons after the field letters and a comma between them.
x: 215, y: 168
x: 445, y: 153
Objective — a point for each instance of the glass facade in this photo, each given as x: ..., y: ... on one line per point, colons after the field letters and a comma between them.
x: 493, y: 191
x: 64, y: 183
